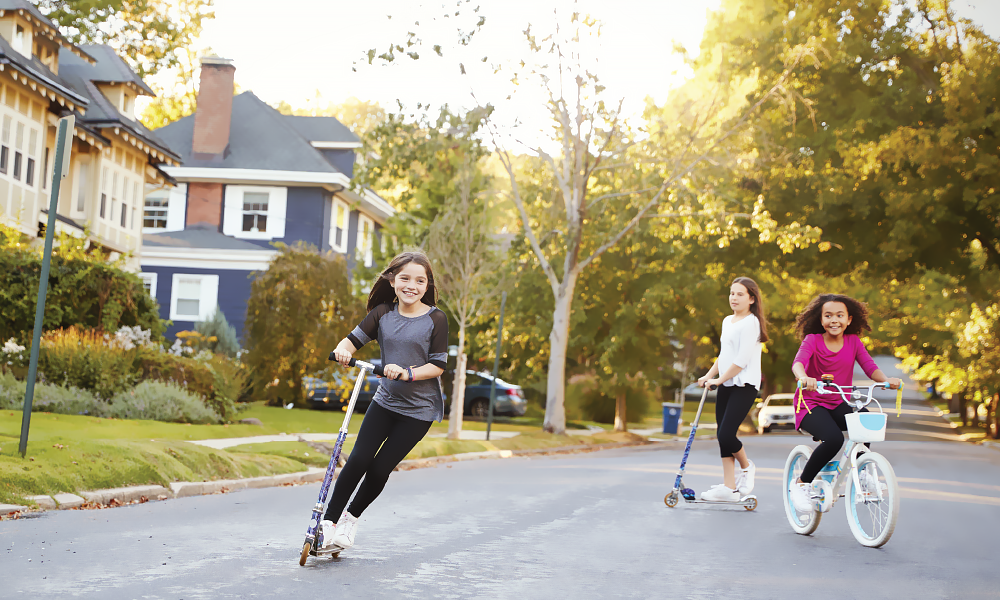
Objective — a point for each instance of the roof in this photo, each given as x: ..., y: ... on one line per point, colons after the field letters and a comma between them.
x: 322, y: 129
x: 54, y: 32
x: 260, y: 138
x: 34, y: 69
x: 197, y: 237
x: 109, y: 68
x: 100, y: 112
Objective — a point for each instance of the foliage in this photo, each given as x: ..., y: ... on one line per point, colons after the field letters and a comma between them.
x: 145, y: 33
x: 218, y: 336
x: 86, y: 359
x: 297, y: 310
x: 84, y: 290
x: 160, y: 401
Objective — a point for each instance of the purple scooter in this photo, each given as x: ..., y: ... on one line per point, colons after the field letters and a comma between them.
x: 313, y: 545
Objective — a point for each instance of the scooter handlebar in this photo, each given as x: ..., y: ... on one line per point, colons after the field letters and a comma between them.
x: 376, y: 369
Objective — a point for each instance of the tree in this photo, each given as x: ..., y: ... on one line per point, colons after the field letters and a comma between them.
x: 296, y: 309
x: 220, y: 335
x: 463, y: 246
x: 604, y: 171
x: 145, y: 33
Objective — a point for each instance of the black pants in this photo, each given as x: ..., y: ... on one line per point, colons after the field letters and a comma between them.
x: 732, y: 405
x: 384, y: 439
x: 828, y: 425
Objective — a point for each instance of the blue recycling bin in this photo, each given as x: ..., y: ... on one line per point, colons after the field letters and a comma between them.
x: 672, y: 417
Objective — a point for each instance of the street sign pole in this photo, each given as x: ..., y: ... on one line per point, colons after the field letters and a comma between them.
x: 64, y: 140
x: 496, y: 367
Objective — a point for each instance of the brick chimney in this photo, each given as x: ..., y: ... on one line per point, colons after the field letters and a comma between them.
x: 215, y: 109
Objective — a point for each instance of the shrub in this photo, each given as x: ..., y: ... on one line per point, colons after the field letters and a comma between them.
x: 195, y: 376
x: 88, y: 360
x: 220, y: 336
x: 230, y: 383
x: 593, y: 405
x: 159, y: 401
x: 49, y: 398
x: 85, y: 290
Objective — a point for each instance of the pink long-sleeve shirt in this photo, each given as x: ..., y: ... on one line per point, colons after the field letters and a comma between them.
x: 820, y: 360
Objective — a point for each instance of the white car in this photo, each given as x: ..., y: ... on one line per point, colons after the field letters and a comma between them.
x: 775, y: 411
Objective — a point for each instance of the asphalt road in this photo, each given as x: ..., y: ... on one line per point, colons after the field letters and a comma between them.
x: 571, y: 526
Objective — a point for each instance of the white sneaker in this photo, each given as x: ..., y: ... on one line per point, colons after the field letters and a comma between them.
x: 347, y: 527
x: 801, y: 497
x: 721, y: 493
x: 744, y: 479
x: 327, y: 529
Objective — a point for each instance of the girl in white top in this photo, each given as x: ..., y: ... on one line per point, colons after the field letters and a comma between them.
x: 743, y: 332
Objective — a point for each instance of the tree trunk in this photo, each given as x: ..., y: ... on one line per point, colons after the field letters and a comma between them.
x: 621, y: 418
x: 458, y: 389
x: 555, y: 397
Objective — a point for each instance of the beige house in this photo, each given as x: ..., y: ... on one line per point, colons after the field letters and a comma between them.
x: 44, y: 77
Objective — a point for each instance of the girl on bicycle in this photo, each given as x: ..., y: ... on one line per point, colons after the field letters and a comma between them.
x: 743, y: 332
x: 829, y: 328
x: 412, y: 335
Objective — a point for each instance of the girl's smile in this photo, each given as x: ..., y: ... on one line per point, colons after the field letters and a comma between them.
x: 835, y: 318
x: 410, y: 283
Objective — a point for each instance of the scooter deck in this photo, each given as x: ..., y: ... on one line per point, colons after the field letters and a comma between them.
x: 332, y: 550
x: 744, y: 501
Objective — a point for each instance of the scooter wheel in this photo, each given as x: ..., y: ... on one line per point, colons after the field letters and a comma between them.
x: 306, y: 547
x: 751, y: 504
x: 671, y: 499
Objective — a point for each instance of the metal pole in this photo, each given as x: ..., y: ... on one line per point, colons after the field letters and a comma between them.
x: 496, y: 367
x: 59, y: 168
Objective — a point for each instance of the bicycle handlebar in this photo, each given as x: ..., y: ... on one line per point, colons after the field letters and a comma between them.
x: 844, y: 391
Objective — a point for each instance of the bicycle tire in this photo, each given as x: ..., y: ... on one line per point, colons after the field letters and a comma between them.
x: 802, y: 523
x: 879, y: 517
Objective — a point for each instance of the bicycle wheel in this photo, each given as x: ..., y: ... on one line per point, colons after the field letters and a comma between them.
x: 802, y: 523
x: 872, y: 514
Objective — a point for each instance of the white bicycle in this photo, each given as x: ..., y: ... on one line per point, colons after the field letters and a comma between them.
x: 872, y: 491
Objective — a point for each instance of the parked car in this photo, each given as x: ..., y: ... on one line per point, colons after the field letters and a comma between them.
x: 775, y: 411
x: 509, y: 401
x: 692, y: 393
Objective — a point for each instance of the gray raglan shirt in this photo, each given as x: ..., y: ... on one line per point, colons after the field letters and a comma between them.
x: 407, y: 342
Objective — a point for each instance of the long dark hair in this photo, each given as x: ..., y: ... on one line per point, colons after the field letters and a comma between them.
x: 810, y: 320
x: 383, y: 292
x: 757, y: 307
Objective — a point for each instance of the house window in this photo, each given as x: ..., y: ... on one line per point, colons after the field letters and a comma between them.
x: 45, y: 170
x: 193, y: 297
x: 19, y: 39
x: 29, y: 172
x: 366, y: 229
x: 154, y: 215
x: 104, y: 192
x: 338, y: 228
x: 124, y: 214
x: 17, y: 165
x: 255, y: 212
x: 5, y: 141
x: 149, y: 283
x: 83, y: 174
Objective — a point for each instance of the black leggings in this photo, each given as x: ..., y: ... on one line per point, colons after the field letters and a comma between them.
x: 384, y: 439
x: 828, y: 425
x: 732, y: 405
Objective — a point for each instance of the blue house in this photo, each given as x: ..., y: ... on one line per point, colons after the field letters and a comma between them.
x: 248, y: 176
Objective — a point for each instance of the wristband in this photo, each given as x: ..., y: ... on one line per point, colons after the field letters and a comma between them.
x: 410, y: 372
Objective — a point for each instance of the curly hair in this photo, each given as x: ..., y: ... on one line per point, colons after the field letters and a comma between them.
x: 810, y: 320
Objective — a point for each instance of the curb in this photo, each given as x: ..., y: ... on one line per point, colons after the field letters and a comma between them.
x: 185, y: 489
x: 990, y: 444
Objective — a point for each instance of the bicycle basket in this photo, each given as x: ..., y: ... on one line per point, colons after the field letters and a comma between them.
x: 866, y: 427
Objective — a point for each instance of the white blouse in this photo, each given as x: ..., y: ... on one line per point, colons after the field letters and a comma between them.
x: 740, y: 347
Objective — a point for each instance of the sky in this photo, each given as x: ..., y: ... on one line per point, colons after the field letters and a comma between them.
x: 294, y: 49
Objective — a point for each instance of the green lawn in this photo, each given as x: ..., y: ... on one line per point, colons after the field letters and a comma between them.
x: 73, y: 453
